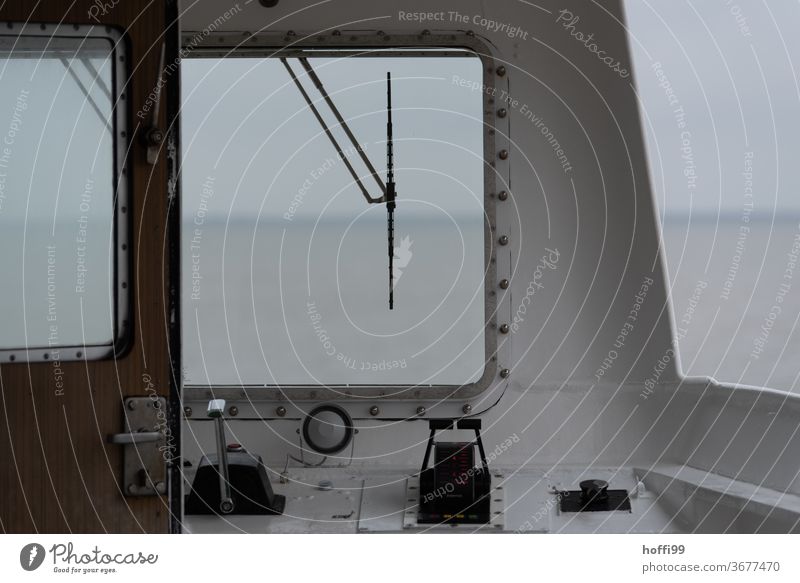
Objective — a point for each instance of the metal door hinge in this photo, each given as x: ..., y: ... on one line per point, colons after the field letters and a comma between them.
x: 144, y: 446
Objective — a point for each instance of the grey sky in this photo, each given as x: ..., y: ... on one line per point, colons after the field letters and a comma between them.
x: 248, y: 128
x: 56, y: 196
x: 730, y: 65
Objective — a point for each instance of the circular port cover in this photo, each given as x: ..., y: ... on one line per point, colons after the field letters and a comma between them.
x: 328, y: 429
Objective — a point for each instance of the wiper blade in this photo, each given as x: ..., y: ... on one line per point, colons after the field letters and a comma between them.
x: 390, y: 191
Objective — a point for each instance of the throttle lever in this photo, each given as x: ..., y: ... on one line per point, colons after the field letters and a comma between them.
x: 216, y: 410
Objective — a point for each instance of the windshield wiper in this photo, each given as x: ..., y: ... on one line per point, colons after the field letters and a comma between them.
x: 388, y: 189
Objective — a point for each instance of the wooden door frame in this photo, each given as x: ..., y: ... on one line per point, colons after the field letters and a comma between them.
x: 173, y: 159
x: 59, y: 474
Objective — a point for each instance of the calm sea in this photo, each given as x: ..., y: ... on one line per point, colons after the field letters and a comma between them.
x: 736, y: 297
x: 294, y: 302
x: 300, y: 313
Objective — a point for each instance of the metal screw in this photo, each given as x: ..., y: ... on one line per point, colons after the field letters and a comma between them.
x: 280, y: 411
x: 131, y: 404
x: 504, y: 329
x: 502, y: 195
x: 374, y: 410
x: 421, y: 410
x: 187, y: 411
x: 504, y: 373
x: 503, y: 284
x: 233, y: 411
x: 502, y: 112
x: 503, y: 240
x: 503, y: 154
x: 501, y: 71
x: 466, y: 409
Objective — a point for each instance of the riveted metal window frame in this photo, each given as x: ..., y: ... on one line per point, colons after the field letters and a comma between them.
x: 17, y: 36
x: 338, y: 43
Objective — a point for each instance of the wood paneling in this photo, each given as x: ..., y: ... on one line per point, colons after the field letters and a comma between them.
x: 57, y: 473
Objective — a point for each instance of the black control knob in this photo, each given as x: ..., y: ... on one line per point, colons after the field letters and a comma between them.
x: 594, y: 490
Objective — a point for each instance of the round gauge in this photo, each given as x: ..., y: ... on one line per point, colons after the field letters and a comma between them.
x: 328, y: 429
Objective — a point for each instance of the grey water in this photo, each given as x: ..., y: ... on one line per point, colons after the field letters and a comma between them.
x: 288, y: 303
x: 281, y: 303
x: 735, y: 287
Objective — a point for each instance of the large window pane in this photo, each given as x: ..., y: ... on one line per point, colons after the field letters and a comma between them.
x: 285, y: 265
x: 720, y: 101
x: 57, y: 195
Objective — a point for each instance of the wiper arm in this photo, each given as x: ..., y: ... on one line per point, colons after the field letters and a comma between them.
x: 315, y: 111
x: 97, y: 78
x: 318, y: 83
x: 87, y: 94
